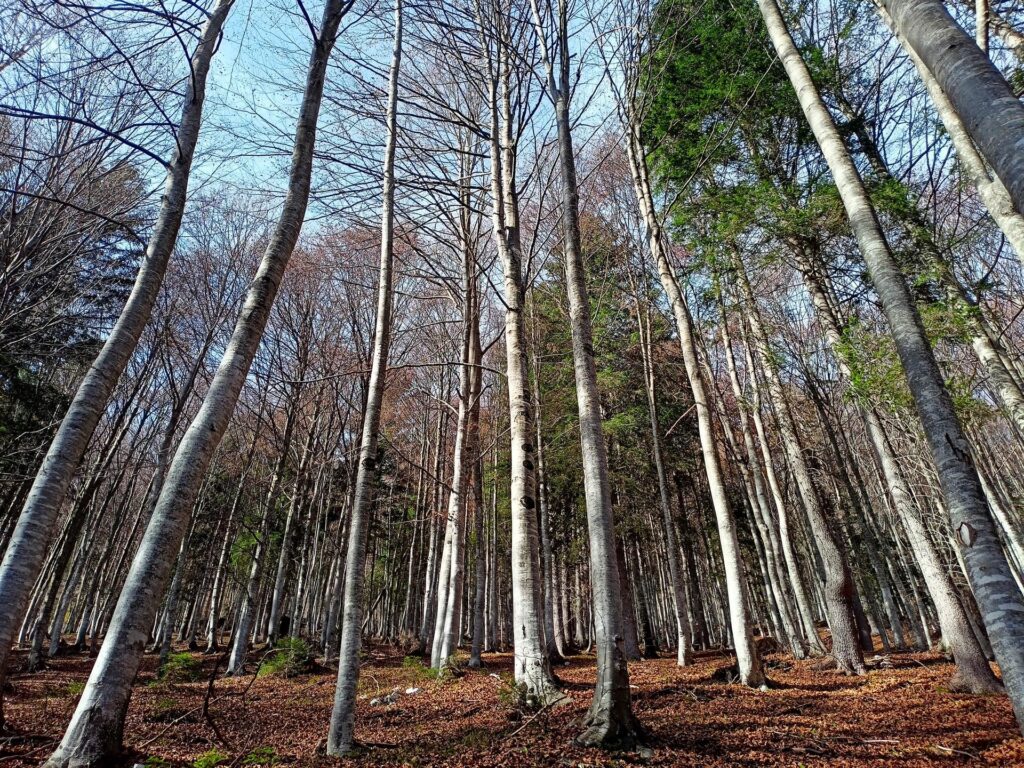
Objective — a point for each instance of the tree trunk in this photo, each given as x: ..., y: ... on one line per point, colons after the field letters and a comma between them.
x: 96, y: 729
x: 340, y: 737
x: 610, y: 720
x: 748, y: 660
x: 28, y: 545
x: 999, y: 598
x: 532, y: 665
x: 994, y: 117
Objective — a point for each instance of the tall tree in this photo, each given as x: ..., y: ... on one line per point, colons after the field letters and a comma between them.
x: 340, y: 737
x: 24, y: 555
x: 999, y: 597
x: 96, y: 730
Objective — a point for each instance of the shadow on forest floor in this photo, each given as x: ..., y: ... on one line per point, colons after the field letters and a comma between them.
x: 901, y: 714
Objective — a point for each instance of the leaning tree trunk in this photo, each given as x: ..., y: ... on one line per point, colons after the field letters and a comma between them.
x: 991, y: 191
x: 748, y: 661
x: 838, y: 583
x: 1000, y: 600
x: 973, y: 673
x: 96, y: 730
x: 24, y: 555
x: 341, y: 735
x: 992, y: 114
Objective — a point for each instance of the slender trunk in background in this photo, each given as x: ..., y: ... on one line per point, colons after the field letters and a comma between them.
x: 480, y: 565
x: 450, y: 590
x: 341, y: 735
x: 989, y: 572
x: 547, y: 554
x: 24, y: 555
x: 96, y: 730
x: 838, y: 586
x: 762, y: 511
x: 748, y: 661
x: 430, y: 582
x: 246, y: 612
x: 684, y: 648
x: 973, y: 675
x: 295, y: 506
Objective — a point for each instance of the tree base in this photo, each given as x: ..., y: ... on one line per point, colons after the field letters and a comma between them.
x: 615, y: 732
x: 976, y: 684
x: 848, y: 668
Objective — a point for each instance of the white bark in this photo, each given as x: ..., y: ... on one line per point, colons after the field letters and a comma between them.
x: 531, y: 666
x: 610, y: 720
x: 24, y: 555
x: 992, y: 192
x: 340, y: 737
x: 747, y: 659
x: 96, y: 729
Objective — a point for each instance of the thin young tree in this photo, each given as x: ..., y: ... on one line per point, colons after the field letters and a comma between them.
x: 341, y: 735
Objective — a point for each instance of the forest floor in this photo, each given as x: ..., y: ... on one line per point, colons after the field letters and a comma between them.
x: 898, y: 715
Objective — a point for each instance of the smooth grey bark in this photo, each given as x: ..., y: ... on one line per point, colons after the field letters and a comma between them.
x: 95, y: 733
x: 341, y: 735
x: 610, y: 720
x: 27, y: 547
x: 989, y: 572
x: 748, y: 660
x: 992, y: 114
x: 991, y: 190
x: 532, y: 666
x: 973, y: 672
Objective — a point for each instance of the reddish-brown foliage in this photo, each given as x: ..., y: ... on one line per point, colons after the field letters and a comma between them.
x: 896, y: 716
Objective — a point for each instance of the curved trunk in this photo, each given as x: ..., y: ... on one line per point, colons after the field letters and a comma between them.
x: 27, y: 548
x: 96, y: 729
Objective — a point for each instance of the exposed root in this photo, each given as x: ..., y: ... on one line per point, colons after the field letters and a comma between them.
x: 966, y: 683
x: 831, y: 663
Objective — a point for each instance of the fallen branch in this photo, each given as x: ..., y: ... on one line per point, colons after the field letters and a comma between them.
x: 535, y: 716
x: 206, y: 704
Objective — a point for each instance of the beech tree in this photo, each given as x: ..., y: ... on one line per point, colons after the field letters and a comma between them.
x: 650, y: 345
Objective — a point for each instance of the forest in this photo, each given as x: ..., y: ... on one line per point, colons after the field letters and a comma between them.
x: 511, y: 383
